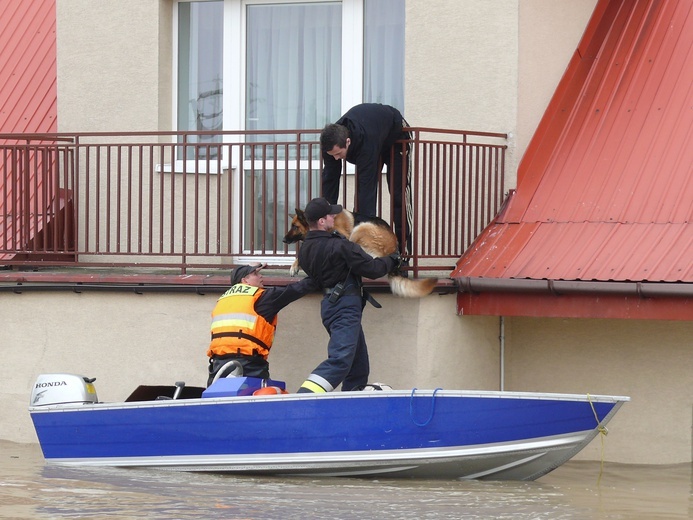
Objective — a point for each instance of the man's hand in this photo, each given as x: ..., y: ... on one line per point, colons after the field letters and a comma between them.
x: 397, y: 261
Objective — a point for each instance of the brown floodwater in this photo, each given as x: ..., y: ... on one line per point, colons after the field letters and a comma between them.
x: 577, y: 490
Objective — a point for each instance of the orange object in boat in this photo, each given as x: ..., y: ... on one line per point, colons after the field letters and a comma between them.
x: 270, y: 390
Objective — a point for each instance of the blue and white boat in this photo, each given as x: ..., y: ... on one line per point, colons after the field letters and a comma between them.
x: 393, y: 433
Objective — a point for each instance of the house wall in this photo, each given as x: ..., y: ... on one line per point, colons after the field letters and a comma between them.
x: 489, y: 66
x: 114, y: 65
x: 649, y: 361
x: 548, y: 37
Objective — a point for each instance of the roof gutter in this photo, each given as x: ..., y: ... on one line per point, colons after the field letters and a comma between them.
x: 564, y: 287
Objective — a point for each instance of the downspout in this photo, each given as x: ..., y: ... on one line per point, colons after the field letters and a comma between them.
x: 502, y: 353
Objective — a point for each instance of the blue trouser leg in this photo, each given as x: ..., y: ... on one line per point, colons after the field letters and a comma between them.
x: 347, y: 353
x: 360, y: 367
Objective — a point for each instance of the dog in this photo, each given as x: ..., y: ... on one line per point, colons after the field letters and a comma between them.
x: 375, y: 237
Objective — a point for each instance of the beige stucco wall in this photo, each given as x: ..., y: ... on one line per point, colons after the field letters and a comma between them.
x: 114, y: 65
x: 650, y: 361
x: 461, y: 64
x: 489, y: 66
x: 549, y: 34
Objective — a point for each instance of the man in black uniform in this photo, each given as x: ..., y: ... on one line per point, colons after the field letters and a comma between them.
x: 365, y: 136
x: 336, y: 265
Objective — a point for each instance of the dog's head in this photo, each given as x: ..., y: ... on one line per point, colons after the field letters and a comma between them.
x: 298, y: 230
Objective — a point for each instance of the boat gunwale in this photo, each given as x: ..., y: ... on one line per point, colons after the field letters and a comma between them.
x: 400, y: 394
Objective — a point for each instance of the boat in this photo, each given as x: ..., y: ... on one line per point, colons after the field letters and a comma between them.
x: 249, y: 425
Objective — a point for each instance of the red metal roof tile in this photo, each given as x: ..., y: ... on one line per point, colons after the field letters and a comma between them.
x: 28, y: 99
x: 605, y: 189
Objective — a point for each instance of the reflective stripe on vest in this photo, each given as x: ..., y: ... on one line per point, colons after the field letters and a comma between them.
x: 236, y: 319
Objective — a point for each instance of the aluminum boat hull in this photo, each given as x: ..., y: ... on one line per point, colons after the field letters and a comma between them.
x: 398, y: 433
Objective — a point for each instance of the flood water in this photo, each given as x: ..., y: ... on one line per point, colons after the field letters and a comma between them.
x: 577, y: 490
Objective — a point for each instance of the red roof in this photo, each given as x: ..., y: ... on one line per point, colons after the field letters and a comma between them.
x: 28, y: 92
x: 28, y: 104
x: 605, y: 189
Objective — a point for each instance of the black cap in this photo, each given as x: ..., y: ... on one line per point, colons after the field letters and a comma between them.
x: 319, y: 208
x: 242, y: 271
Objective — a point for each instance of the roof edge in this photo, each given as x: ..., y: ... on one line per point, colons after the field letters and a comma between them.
x: 467, y: 284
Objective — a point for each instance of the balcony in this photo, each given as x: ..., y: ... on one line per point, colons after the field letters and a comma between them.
x: 181, y: 204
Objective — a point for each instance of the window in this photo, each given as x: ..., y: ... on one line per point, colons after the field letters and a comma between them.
x: 293, y: 65
x: 200, y: 78
x: 383, y: 53
x: 282, y: 65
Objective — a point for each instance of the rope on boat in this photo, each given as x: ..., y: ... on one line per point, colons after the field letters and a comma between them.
x: 411, y: 407
x: 603, y: 432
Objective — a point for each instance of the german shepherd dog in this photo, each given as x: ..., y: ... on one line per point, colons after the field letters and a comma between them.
x: 375, y: 237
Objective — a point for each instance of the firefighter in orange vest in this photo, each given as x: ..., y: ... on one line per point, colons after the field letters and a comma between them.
x: 245, y: 318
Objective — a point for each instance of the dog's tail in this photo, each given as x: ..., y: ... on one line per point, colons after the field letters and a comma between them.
x: 408, y: 288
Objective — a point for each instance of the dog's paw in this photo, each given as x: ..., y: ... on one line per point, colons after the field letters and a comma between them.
x: 294, y: 269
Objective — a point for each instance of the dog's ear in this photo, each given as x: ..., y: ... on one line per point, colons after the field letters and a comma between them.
x: 299, y: 212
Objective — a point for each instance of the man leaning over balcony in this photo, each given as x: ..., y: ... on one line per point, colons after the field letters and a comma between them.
x: 244, y: 321
x: 366, y: 136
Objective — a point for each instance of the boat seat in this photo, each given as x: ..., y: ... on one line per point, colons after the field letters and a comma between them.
x: 164, y: 392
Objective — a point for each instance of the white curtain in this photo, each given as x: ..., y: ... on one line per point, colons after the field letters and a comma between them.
x: 293, y: 71
x: 383, y: 52
x: 293, y: 81
x: 200, y: 55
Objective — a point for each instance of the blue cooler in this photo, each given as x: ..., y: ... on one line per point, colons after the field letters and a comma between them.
x: 235, y: 386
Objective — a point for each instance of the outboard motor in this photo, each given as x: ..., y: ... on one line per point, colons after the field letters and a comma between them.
x: 63, y: 389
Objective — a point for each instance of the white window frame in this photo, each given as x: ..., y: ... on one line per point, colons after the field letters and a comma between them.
x: 233, y: 68
x: 233, y: 72
x: 191, y: 166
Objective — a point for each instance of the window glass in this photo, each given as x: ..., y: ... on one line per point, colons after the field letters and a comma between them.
x: 287, y: 74
x: 200, y: 81
x: 383, y: 52
x: 293, y: 81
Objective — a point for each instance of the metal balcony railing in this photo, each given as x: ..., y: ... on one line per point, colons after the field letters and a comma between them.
x: 201, y: 200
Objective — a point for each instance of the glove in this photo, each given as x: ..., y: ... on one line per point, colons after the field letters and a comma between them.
x: 397, y: 261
